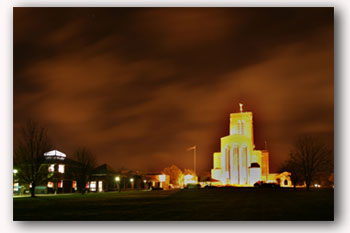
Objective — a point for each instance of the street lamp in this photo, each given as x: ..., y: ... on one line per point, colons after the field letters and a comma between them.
x: 15, y: 171
x: 145, y: 183
x: 194, y: 148
x: 117, y: 179
x: 132, y: 182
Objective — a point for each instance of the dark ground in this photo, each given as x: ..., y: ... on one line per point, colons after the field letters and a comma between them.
x: 194, y: 204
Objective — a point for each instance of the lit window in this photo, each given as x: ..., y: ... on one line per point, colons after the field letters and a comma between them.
x: 243, y: 128
x: 93, y: 186
x: 50, y: 184
x: 100, y: 186
x: 15, y: 187
x: 162, y: 178
x: 61, y: 168
x: 189, y: 179
x: 239, y: 127
x: 60, y: 184
x: 52, y: 168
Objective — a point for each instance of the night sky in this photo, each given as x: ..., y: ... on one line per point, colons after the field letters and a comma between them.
x: 138, y: 86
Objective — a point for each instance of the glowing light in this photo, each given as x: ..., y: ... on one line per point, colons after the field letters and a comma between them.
x: 162, y: 178
x: 15, y: 171
x: 50, y: 184
x: 240, y: 107
x: 190, y: 179
x: 16, y: 187
x: 55, y: 154
x: 117, y: 179
x: 100, y: 186
x: 144, y: 181
x: 60, y: 184
x: 93, y: 186
x: 317, y: 186
x: 61, y: 168
x: 131, y: 179
x: 52, y: 168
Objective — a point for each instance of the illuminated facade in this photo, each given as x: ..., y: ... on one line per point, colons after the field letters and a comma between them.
x: 238, y: 163
x: 157, y: 181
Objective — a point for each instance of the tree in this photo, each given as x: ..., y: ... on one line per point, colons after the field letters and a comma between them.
x: 189, y: 172
x: 86, y: 163
x: 175, y: 174
x: 311, y: 156
x: 29, y: 156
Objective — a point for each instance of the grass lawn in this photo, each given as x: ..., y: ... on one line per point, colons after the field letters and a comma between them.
x: 193, y: 204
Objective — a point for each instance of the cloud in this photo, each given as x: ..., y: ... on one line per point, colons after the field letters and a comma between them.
x: 139, y: 86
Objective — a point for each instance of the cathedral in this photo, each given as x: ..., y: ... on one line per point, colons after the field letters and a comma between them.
x: 239, y: 163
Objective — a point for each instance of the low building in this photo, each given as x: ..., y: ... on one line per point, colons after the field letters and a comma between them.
x: 157, y: 180
x: 103, y: 179
x: 282, y: 179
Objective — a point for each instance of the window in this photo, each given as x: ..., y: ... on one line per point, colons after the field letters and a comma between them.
x: 93, y: 186
x: 61, y: 168
x: 100, y: 186
x: 74, y: 184
x: 50, y: 184
x: 227, y: 158
x: 243, y: 128
x: 52, y: 168
x: 16, y: 187
x: 239, y: 127
x: 60, y: 184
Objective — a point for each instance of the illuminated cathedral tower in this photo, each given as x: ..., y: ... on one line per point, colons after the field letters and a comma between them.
x: 238, y: 163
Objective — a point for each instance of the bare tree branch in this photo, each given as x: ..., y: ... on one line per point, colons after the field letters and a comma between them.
x: 29, y: 155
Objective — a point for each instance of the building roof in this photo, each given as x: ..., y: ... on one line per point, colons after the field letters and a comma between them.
x: 104, y: 169
x: 55, y: 153
x: 207, y: 179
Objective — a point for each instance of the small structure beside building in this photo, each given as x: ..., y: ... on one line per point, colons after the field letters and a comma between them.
x: 157, y: 181
x: 103, y: 179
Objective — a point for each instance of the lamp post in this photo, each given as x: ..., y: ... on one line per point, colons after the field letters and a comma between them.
x: 194, y: 148
x: 15, y: 188
x: 132, y: 182
x: 117, y: 179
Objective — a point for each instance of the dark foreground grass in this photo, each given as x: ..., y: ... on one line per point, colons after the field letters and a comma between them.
x: 201, y: 204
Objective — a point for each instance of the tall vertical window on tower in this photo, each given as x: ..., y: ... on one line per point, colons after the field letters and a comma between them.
x: 239, y: 126
x: 243, y: 128
x: 227, y: 158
